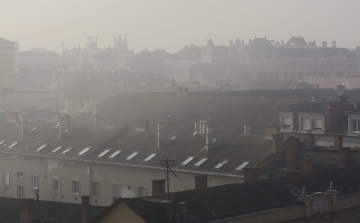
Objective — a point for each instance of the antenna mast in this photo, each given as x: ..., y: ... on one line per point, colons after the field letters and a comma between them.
x: 167, y: 162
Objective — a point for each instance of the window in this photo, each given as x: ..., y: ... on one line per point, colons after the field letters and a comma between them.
x: 35, y: 181
x: 142, y: 191
x: 355, y: 125
x: 318, y: 124
x: 84, y: 151
x: 103, y: 153
x: 114, y: 154
x: 132, y: 155
x: 201, y: 161
x: 6, y: 178
x: 20, y: 175
x: 150, y: 157
x: 222, y: 163
x: 76, y: 186
x: 305, y: 124
x: 56, y: 188
x: 187, y: 160
x: 20, y: 191
x: 95, y: 189
x: 116, y: 191
x: 286, y: 122
x: 244, y: 164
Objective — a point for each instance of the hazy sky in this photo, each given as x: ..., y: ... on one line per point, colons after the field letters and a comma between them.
x: 171, y: 24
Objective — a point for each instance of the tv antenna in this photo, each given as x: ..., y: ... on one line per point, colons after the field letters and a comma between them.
x: 167, y: 163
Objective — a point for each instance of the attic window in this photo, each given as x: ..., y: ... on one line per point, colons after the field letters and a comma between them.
x: 132, y: 155
x: 41, y: 147
x: 188, y: 160
x: 244, y: 164
x: 201, y: 161
x: 286, y: 121
x: 57, y: 149
x: 150, y: 157
x: 84, y: 151
x: 12, y: 145
x: 222, y: 163
x: 66, y: 150
x: 114, y: 154
x: 103, y: 153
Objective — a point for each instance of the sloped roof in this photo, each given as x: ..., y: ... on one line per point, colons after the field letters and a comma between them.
x: 45, y: 59
x: 160, y: 53
x: 333, y: 82
x: 6, y: 43
x: 296, y: 41
x: 43, y: 83
x: 310, y: 51
x: 236, y: 85
x: 50, y: 210
x: 187, y: 52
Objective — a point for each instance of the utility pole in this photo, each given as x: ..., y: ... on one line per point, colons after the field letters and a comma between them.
x: 37, y: 205
x: 167, y: 162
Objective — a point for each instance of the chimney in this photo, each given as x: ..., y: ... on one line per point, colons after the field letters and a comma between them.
x: 324, y: 44
x: 293, y: 177
x: 338, y: 141
x: 307, y: 165
x: 61, y: 126
x: 202, y: 127
x: 13, y: 116
x: 142, y: 125
x: 251, y: 173
x: 290, y: 154
x: 346, y: 156
x: 277, y: 43
x: 196, y: 127
x: 209, y: 135
x: 97, y: 120
x: 247, y: 129
x: 179, y: 90
x: 309, y: 140
x: 282, y: 43
x: 160, y: 134
x: 278, y: 146
x: 185, y: 92
x: 23, y: 125
x: 249, y: 41
x: 85, y: 209
x: 231, y: 43
x: 340, y: 88
x: 158, y: 187
x: 333, y: 44
x: 27, y: 210
x: 272, y: 42
x: 200, y: 181
x: 242, y: 42
x: 314, y: 98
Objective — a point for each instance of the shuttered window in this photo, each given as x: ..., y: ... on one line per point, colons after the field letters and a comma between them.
x: 305, y: 123
x: 286, y: 121
x: 318, y: 124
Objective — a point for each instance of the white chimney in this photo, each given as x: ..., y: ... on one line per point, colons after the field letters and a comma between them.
x: 97, y: 120
x: 23, y: 125
x: 333, y: 43
x: 247, y: 129
x: 324, y: 44
x: 196, y: 127
x: 61, y: 126
x: 209, y: 136
x: 160, y: 134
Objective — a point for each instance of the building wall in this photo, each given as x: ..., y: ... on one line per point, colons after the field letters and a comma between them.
x: 120, y: 213
x: 293, y: 118
x: 129, y: 178
x: 8, y: 61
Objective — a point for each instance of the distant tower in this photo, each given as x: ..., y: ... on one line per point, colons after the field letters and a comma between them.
x: 210, y: 42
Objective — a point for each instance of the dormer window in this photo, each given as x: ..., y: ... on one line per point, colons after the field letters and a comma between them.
x: 286, y: 122
x: 355, y: 126
x: 305, y: 124
x: 318, y: 124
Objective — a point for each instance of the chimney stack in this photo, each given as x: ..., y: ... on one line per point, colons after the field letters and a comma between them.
x: 210, y: 136
x: 309, y: 140
x: 293, y: 177
x: 278, y: 140
x: 158, y: 187
x: 85, y: 209
x: 314, y: 98
x: 324, y: 44
x: 160, y: 134
x: 200, y: 181
x: 247, y: 129
x: 307, y: 165
x: 333, y: 44
x: 23, y: 125
x: 338, y: 141
x: 251, y: 173
x: 196, y: 127
x: 97, y: 120
x: 290, y: 154
x: 249, y: 41
x: 179, y: 91
x: 61, y: 126
x: 231, y: 43
x: 13, y: 116
x: 282, y: 43
x: 27, y: 210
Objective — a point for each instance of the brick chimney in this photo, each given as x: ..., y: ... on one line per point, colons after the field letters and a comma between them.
x: 160, y: 134
x: 309, y: 140
x: 200, y: 181
x: 210, y: 136
x: 23, y: 125
x: 142, y: 125
x: 291, y: 152
x: 27, y: 210
x: 307, y: 165
x: 158, y: 187
x: 338, y: 141
x: 85, y: 209
x: 293, y: 177
x: 251, y: 173
x: 346, y: 158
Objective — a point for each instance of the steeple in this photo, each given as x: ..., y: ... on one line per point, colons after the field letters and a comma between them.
x: 210, y: 42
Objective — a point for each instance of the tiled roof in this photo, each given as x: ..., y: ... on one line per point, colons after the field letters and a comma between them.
x: 160, y: 53
x: 6, y: 43
x: 43, y: 83
x: 236, y: 85
x: 297, y: 41
x: 187, y: 52
x: 354, y: 95
x: 49, y: 210
x: 310, y: 51
x: 333, y: 82
x: 306, y: 106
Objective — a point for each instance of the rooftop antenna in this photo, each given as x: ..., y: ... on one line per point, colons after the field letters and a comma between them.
x: 168, y: 162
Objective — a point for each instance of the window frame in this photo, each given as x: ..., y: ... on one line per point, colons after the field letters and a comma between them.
x: 283, y: 121
x: 97, y: 194
x: 21, y: 194
x: 116, y: 191
x: 6, y: 178
x: 315, y: 120
x: 357, y: 126
x: 302, y: 123
x: 58, y: 190
x: 20, y: 176
x: 75, y: 183
x: 35, y: 181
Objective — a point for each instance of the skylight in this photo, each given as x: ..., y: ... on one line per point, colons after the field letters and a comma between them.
x: 12, y: 145
x: 66, y: 150
x: 244, y: 164
x: 222, y: 163
x: 173, y: 138
x: 132, y: 155
x: 41, y: 147
x: 2, y: 142
x: 201, y: 161
x: 84, y: 151
x: 103, y: 153
x: 150, y: 157
x: 188, y: 160
x: 57, y: 149
x: 114, y: 154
